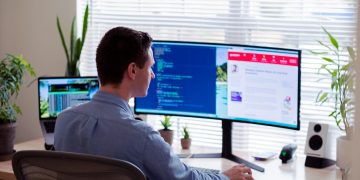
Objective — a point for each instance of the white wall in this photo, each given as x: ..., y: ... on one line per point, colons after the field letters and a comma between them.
x: 355, y: 173
x: 29, y: 28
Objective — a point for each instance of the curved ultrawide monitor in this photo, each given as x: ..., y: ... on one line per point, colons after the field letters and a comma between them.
x: 239, y: 83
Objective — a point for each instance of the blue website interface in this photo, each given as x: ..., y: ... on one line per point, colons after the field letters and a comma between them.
x: 239, y: 83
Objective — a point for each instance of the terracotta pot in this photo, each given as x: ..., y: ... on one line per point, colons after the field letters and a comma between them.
x: 185, y: 143
x: 7, y: 140
x: 167, y: 135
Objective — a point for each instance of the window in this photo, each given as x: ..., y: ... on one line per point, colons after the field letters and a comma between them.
x: 278, y: 23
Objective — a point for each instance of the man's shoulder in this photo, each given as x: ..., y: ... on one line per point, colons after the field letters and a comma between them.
x: 76, y: 111
x: 143, y: 127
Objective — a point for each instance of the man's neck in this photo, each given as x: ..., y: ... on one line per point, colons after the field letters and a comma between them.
x: 116, y: 90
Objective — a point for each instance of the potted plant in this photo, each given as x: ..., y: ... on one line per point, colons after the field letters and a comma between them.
x: 167, y: 133
x: 340, y: 91
x: 12, y: 69
x: 76, y: 45
x: 186, y: 140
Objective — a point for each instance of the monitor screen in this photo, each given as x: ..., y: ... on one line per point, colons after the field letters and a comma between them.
x: 59, y: 93
x: 251, y: 84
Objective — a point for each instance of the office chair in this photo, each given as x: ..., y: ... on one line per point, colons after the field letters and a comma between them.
x: 51, y: 165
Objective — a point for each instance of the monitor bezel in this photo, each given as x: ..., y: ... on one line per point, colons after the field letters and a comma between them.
x: 56, y: 77
x: 231, y: 120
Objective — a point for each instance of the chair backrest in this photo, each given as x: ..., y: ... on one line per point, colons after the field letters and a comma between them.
x: 51, y: 165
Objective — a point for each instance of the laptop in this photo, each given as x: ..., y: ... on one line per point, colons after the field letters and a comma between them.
x: 56, y: 94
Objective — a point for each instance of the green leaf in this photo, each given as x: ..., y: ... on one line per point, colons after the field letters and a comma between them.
x: 72, y: 40
x: 17, y: 109
x: 323, y: 44
x: 85, y: 25
x: 341, y: 80
x: 328, y: 60
x: 77, y: 50
x: 186, y: 133
x: 334, y: 73
x: 335, y: 85
x: 332, y: 39
x: 27, y: 66
x: 12, y: 70
x: 76, y: 44
x: 166, y: 123
x: 345, y: 67
x: 332, y: 113
x: 327, y: 69
x: 351, y: 53
x: 322, y: 96
x: 338, y: 121
x: 350, y: 84
x: 317, y: 53
x: 343, y: 110
x: 62, y: 39
x: 323, y: 66
x: 31, y: 70
x: 347, y: 100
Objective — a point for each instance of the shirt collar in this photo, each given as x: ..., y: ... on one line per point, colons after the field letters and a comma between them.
x: 112, y: 99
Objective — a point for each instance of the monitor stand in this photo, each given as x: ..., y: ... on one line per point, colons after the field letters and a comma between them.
x: 227, y: 149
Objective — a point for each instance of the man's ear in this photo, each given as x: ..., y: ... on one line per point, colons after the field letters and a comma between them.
x: 131, y: 70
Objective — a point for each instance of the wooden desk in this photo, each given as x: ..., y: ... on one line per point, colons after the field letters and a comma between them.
x: 274, y: 169
x: 6, y: 171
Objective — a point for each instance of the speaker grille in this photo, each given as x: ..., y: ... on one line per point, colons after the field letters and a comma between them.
x: 317, y: 128
x: 315, y: 142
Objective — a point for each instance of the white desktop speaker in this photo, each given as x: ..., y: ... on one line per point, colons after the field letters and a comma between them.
x: 317, y: 147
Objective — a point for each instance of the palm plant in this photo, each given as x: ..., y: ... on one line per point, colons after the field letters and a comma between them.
x: 342, y: 78
x: 76, y: 44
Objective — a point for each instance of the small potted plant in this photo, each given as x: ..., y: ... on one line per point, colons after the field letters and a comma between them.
x: 167, y: 133
x: 340, y: 91
x: 12, y: 69
x: 185, y: 141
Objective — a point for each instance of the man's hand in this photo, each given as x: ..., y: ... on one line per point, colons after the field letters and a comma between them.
x: 239, y: 172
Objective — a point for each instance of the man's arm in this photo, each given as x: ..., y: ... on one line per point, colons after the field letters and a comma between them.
x: 160, y: 162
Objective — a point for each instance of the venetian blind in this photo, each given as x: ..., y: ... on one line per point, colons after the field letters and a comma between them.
x: 276, y: 23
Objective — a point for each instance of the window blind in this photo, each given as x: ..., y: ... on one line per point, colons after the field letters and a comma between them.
x: 276, y: 23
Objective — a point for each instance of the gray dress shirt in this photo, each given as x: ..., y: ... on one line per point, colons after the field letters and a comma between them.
x: 106, y: 126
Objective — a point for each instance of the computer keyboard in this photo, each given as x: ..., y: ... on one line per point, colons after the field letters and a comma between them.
x: 205, y: 170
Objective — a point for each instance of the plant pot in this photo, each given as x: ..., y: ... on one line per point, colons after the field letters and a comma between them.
x: 7, y: 140
x: 167, y: 135
x: 343, y: 152
x: 185, y: 143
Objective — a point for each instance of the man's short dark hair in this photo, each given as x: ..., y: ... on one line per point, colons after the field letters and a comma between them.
x: 118, y: 48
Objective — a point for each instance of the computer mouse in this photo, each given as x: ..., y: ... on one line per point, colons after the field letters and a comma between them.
x: 287, y: 152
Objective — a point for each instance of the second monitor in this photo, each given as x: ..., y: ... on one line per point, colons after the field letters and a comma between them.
x: 227, y: 82
x: 239, y: 83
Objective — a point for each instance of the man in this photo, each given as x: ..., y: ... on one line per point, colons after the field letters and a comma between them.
x: 106, y: 126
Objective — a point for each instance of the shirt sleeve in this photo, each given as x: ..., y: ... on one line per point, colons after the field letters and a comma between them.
x: 161, y: 163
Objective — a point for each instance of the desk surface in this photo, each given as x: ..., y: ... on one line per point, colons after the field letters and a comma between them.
x: 6, y: 171
x: 274, y: 169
